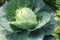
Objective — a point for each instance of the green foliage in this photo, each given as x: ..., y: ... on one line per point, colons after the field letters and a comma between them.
x: 57, y: 29
x: 58, y: 3
x: 27, y: 20
x: 57, y: 36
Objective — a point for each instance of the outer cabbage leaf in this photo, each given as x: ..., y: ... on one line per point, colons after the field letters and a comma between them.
x: 49, y: 37
x: 3, y: 22
x: 37, y: 35
x: 37, y: 4
x: 43, y: 16
x: 2, y: 13
x: 49, y: 27
x: 47, y: 9
x: 3, y: 33
x: 18, y: 36
x: 2, y: 37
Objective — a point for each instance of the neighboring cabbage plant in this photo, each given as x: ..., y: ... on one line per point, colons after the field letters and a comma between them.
x: 27, y: 20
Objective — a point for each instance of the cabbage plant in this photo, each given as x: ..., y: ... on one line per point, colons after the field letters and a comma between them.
x: 26, y: 20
